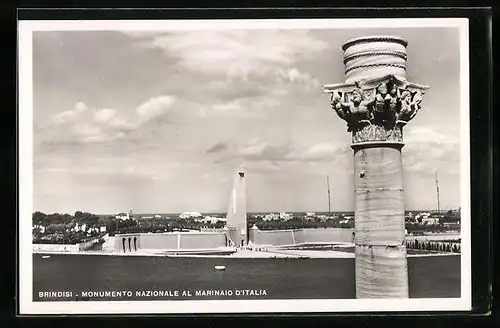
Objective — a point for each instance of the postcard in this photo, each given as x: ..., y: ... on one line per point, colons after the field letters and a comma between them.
x: 244, y: 166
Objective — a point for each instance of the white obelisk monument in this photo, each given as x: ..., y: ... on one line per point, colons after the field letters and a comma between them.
x: 237, y: 210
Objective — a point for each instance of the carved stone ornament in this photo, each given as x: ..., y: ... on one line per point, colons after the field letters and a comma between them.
x: 376, y: 109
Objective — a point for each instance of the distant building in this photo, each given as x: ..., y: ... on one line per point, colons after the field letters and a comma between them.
x: 285, y: 216
x: 123, y: 216
x: 346, y: 219
x: 430, y: 220
x: 271, y: 217
x: 421, y: 216
x: 80, y: 227
x: 41, y: 227
x: 210, y: 219
x: 310, y: 214
x: 188, y: 215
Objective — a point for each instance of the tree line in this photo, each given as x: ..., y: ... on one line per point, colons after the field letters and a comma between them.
x: 57, y: 220
x: 60, y: 228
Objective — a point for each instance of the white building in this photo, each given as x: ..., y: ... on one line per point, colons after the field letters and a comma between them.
x: 187, y: 215
x: 271, y: 217
x: 80, y: 227
x: 122, y: 216
x: 210, y: 219
x: 41, y: 227
x: 423, y: 215
x: 430, y: 221
x: 346, y: 219
x: 285, y: 216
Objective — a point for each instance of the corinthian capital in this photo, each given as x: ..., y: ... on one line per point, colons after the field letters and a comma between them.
x: 376, y: 99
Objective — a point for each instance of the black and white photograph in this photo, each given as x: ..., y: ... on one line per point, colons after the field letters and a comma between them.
x: 244, y: 166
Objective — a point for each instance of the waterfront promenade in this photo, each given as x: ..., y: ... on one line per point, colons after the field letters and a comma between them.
x: 260, y: 251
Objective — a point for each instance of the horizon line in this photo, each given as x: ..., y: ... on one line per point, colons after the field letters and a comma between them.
x: 248, y: 212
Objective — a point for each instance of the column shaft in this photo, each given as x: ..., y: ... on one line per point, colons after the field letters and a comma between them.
x: 381, y: 267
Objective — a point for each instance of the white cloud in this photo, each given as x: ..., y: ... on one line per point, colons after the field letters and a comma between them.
x: 320, y: 151
x: 303, y: 81
x: 121, y: 123
x: 101, y: 125
x: 428, y: 150
x: 104, y: 115
x: 222, y: 107
x: 86, y: 129
x: 91, y: 126
x: 87, y: 132
x: 294, y: 75
x: 236, y: 54
x: 245, y: 107
x: 428, y: 135
x: 253, y: 148
x: 155, y: 106
x: 70, y: 115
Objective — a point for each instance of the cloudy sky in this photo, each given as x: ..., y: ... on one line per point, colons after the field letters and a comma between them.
x: 158, y: 122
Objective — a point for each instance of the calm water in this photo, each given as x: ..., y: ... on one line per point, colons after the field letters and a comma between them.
x: 280, y: 278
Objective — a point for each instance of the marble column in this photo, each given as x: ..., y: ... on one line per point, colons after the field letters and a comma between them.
x: 377, y: 101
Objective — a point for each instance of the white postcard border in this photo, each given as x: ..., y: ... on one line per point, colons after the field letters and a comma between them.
x: 25, y: 142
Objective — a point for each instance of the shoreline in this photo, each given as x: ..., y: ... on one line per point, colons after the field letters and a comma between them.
x: 237, y: 255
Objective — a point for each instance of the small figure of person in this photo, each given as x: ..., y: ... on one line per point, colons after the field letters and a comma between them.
x: 361, y: 109
x: 415, y: 104
x: 381, y: 99
x: 405, y: 113
x: 337, y: 105
x: 356, y: 111
x: 392, y: 101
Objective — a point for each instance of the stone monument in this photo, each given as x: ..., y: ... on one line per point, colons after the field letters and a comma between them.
x: 237, y: 210
x: 377, y: 101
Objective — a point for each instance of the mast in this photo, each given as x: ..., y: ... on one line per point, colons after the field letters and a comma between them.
x: 437, y: 192
x: 328, y: 185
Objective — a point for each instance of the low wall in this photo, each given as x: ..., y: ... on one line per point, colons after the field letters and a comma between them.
x: 300, y: 236
x: 274, y: 237
x: 169, y: 240
x: 40, y: 248
x: 325, y: 235
x: 127, y: 242
x: 202, y: 240
x: 65, y: 247
x: 212, y: 229
x: 86, y: 245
